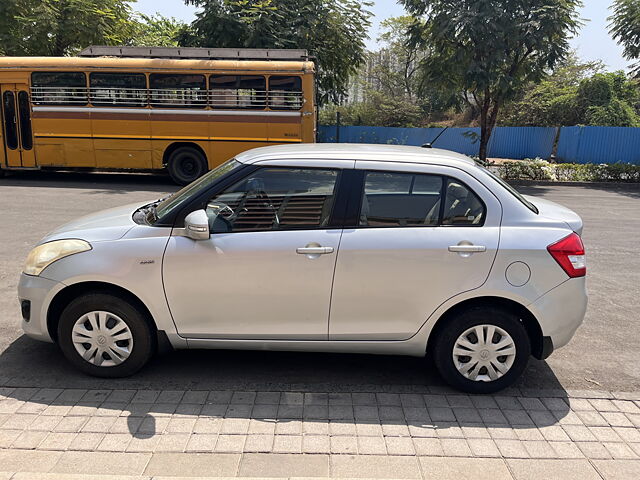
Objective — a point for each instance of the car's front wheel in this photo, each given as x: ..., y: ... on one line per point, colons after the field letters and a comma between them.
x: 482, y: 350
x: 105, y: 335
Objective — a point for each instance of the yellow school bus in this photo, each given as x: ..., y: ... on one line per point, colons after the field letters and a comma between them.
x: 183, y: 110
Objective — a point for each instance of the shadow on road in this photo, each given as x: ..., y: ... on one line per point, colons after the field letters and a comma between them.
x: 631, y: 190
x: 216, y: 384
x: 101, y: 182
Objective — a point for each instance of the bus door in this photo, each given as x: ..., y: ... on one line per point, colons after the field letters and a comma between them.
x: 16, y: 119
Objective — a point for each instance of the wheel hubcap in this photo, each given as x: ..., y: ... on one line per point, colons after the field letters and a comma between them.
x: 102, y: 339
x: 484, y: 353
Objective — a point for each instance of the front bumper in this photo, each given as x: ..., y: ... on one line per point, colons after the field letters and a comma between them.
x: 39, y: 292
x: 561, y: 311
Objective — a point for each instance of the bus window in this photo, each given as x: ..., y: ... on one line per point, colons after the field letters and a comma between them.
x: 59, y: 88
x: 118, y: 89
x: 177, y: 90
x: 24, y: 114
x: 285, y: 93
x: 238, y: 91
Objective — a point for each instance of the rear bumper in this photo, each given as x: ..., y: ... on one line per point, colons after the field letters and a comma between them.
x: 38, y: 292
x: 560, y: 312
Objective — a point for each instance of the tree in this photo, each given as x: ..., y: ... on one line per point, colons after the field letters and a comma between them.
x: 552, y: 102
x: 601, y: 99
x: 394, y: 66
x: 333, y: 31
x: 624, y: 27
x: 491, y: 49
x: 606, y: 99
x: 154, y: 31
x: 61, y: 27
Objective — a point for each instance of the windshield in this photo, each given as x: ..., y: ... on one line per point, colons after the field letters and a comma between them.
x: 171, y: 203
x: 512, y: 190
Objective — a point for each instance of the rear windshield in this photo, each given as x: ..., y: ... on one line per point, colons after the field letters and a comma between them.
x: 512, y: 190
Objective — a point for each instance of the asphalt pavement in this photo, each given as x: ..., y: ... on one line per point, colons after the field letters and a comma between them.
x: 602, y: 356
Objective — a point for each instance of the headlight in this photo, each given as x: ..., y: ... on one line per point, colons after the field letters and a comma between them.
x: 44, y: 255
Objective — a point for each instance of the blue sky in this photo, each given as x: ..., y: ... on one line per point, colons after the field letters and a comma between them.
x: 593, y: 42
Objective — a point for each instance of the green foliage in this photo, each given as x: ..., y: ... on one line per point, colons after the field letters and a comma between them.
x: 491, y: 50
x: 538, y: 169
x: 625, y: 27
x: 332, y: 30
x: 61, y: 27
x: 601, y: 99
x: 617, y: 113
x: 154, y: 31
x: 525, y: 170
x: 378, y: 111
x: 393, y: 67
x: 387, y: 90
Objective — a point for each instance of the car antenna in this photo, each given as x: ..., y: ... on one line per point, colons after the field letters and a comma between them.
x: 430, y: 144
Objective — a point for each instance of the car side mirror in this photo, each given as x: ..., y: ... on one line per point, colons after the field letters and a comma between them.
x: 196, y: 225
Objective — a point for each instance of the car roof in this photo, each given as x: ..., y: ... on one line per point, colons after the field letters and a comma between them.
x: 356, y: 151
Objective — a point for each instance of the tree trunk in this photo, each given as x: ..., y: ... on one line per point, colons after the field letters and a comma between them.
x: 488, y: 120
x: 485, y: 134
x: 59, y: 47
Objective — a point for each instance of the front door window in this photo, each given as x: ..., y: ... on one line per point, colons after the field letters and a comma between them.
x: 275, y: 199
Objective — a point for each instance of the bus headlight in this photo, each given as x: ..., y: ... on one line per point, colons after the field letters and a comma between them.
x: 44, y: 255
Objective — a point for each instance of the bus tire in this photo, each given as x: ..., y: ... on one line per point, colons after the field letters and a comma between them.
x: 186, y: 164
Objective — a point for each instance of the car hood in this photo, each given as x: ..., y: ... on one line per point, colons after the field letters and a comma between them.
x: 104, y: 225
x: 556, y: 211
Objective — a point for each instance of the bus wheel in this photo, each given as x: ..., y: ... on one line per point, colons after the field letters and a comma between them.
x: 186, y: 164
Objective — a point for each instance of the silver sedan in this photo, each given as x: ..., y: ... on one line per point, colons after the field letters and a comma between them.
x: 331, y: 248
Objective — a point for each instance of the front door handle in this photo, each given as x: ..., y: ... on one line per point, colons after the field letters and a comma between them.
x: 467, y: 248
x: 314, y: 250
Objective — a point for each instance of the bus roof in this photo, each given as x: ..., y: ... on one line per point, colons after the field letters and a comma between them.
x: 197, y: 53
x: 108, y: 63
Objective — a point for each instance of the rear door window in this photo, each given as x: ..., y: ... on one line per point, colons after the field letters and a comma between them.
x: 462, y: 206
x: 393, y: 199
x: 399, y: 199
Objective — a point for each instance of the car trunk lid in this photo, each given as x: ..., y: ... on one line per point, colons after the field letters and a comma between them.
x: 559, y: 212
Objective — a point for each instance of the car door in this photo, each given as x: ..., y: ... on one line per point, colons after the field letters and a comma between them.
x: 423, y: 234
x: 266, y: 271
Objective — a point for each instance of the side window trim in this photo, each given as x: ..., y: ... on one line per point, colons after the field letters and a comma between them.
x: 354, y: 210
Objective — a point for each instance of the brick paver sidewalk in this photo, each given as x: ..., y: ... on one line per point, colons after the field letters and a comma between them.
x: 517, y: 435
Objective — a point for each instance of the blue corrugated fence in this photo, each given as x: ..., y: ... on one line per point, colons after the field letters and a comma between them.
x: 506, y: 142
x: 576, y: 144
x: 599, y: 145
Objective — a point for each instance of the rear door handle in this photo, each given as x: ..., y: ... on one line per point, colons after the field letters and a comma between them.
x: 314, y: 250
x: 467, y: 248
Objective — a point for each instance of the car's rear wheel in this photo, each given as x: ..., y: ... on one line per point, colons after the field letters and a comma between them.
x: 482, y: 350
x: 105, y: 335
x: 186, y: 164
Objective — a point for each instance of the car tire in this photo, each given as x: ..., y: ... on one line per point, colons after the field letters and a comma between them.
x: 126, y: 329
x: 456, y: 337
x: 186, y: 164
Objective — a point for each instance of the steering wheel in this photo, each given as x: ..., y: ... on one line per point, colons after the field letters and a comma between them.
x: 219, y: 208
x: 262, y: 195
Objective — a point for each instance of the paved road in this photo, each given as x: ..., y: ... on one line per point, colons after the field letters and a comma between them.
x: 602, y: 356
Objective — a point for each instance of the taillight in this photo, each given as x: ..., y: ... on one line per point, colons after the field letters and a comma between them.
x: 569, y: 253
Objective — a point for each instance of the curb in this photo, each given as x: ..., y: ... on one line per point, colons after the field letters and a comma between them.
x: 609, y: 185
